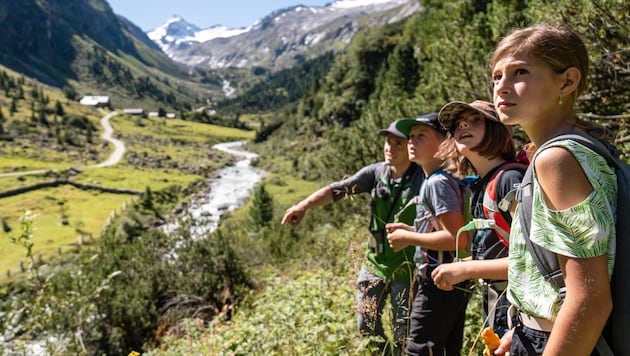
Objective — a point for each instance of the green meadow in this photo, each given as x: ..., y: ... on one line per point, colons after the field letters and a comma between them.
x: 67, y: 218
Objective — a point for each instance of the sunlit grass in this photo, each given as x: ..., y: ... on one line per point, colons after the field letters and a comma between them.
x: 18, y: 163
x: 126, y: 177
x: 177, y: 130
x: 85, y: 212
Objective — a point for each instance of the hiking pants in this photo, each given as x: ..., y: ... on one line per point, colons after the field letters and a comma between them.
x: 372, y: 292
x: 437, y: 320
x: 530, y: 342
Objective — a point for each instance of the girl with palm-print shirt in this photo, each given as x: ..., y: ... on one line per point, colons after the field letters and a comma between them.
x: 538, y: 73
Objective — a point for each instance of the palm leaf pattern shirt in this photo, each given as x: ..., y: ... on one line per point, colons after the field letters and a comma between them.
x: 583, y: 231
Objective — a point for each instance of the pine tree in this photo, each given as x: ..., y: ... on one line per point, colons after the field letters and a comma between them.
x: 261, y: 212
x: 89, y: 135
x: 59, y: 108
x: 2, y: 120
x: 147, y: 199
x: 13, y: 108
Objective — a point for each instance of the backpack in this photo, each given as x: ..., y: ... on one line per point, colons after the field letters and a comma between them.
x: 492, y: 207
x: 613, y: 340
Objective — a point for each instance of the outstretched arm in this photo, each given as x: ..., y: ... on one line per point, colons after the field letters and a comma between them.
x: 295, y: 214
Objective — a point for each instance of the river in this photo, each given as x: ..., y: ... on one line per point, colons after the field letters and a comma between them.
x: 228, y: 192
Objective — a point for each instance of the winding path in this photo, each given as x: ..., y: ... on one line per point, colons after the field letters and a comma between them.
x: 116, y: 156
x: 119, y: 147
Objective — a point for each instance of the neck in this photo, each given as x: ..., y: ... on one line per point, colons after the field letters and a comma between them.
x: 399, y: 169
x: 540, y: 131
x: 483, y: 165
x: 429, y: 167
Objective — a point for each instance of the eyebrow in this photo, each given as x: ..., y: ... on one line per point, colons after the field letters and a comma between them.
x: 519, y: 63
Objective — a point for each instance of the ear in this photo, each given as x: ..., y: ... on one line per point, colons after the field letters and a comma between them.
x: 571, y: 80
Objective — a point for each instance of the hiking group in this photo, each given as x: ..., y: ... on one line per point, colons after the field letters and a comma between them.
x: 539, y: 232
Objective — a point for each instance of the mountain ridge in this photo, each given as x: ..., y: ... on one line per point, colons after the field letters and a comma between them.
x: 280, y: 39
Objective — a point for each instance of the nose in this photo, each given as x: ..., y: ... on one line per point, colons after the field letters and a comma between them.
x: 463, y: 124
x: 501, y: 86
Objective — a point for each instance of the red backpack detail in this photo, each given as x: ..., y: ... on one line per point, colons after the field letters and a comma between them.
x: 492, y: 208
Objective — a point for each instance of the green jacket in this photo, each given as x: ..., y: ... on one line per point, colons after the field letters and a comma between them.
x: 389, y: 196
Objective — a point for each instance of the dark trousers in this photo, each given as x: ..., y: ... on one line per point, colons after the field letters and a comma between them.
x: 530, y: 342
x: 495, y: 306
x: 437, y: 320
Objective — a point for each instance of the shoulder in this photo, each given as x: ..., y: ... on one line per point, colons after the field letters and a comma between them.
x: 373, y: 169
x: 556, y: 161
x: 443, y: 180
x: 511, y: 174
x: 561, y: 177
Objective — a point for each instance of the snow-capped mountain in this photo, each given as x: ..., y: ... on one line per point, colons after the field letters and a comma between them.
x: 177, y: 32
x: 281, y: 38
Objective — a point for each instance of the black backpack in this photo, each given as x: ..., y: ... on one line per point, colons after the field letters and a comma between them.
x: 614, y: 339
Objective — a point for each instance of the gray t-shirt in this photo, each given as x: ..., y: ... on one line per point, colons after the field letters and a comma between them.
x: 440, y: 193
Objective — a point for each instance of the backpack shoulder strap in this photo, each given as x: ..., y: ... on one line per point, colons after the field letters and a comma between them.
x: 546, y: 261
x: 493, y: 208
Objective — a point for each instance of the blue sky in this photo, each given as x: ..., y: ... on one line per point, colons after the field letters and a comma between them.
x: 149, y: 14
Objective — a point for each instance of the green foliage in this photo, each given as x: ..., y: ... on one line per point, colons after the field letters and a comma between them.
x: 147, y: 199
x: 144, y: 287
x: 219, y: 120
x: 261, y: 211
x: 13, y: 109
x: 138, y: 282
x: 324, y: 324
x: 439, y: 55
x: 25, y: 239
x: 2, y: 121
x: 59, y: 108
x: 69, y: 92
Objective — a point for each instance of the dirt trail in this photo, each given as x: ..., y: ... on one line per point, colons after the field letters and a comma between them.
x: 116, y: 156
x: 119, y: 147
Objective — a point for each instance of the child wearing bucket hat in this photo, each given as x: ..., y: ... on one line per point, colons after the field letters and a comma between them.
x: 479, y: 144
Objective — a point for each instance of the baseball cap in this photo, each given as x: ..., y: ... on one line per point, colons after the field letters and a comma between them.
x: 428, y: 119
x: 392, y: 130
x: 450, y: 111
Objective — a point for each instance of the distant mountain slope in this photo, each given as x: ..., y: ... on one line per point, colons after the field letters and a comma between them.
x: 281, y: 39
x: 84, y: 45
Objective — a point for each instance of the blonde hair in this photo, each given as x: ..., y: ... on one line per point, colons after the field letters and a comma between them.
x: 560, y: 48
x: 557, y: 46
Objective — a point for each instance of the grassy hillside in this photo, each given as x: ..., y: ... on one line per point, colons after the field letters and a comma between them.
x: 84, y: 47
x: 160, y: 154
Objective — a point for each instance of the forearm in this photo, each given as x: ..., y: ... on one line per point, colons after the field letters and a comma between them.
x: 585, y: 309
x: 486, y: 269
x: 322, y: 196
x: 577, y: 328
x: 437, y: 240
x: 296, y: 213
